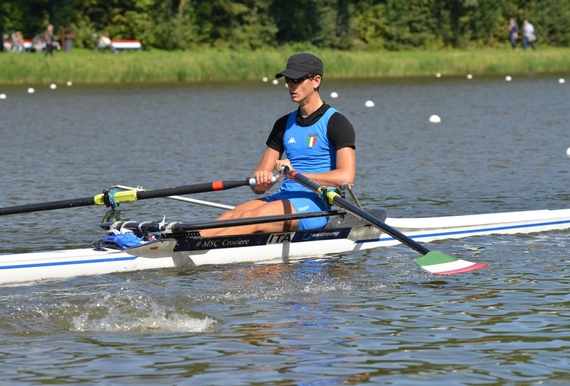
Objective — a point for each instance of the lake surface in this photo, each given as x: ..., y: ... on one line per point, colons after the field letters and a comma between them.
x: 371, y: 317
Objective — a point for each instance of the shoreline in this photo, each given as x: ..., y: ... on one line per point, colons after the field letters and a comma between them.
x: 91, y: 67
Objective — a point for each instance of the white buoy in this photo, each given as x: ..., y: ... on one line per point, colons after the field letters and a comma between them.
x: 2, y: 96
x: 264, y: 79
x: 508, y: 78
x: 334, y: 95
x: 561, y: 80
x: 369, y: 104
x: 434, y: 119
x: 469, y: 76
x: 53, y: 86
x: 275, y: 81
x: 438, y: 75
x: 69, y: 83
x: 568, y: 151
x: 31, y: 90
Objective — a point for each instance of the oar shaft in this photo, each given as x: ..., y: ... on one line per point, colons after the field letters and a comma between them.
x: 339, y: 201
x: 434, y: 262
x: 183, y: 199
x: 196, y: 188
x: 127, y: 196
x: 389, y: 230
x: 185, y: 227
x: 48, y: 206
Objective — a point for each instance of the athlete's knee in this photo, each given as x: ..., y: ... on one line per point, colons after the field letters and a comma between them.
x: 248, y: 213
x: 230, y: 214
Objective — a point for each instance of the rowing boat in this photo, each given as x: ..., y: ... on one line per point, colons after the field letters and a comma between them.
x: 180, y: 246
x: 133, y: 246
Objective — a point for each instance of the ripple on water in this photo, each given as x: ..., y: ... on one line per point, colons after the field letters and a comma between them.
x: 371, y: 317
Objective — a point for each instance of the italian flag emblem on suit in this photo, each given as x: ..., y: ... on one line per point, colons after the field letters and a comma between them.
x: 311, y: 140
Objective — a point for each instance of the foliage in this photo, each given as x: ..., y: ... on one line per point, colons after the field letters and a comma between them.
x: 86, y: 66
x: 361, y: 25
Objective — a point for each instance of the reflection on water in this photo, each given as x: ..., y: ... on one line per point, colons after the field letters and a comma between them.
x: 370, y: 317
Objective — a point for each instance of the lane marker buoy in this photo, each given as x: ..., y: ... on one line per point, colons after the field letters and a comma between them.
x: 434, y: 119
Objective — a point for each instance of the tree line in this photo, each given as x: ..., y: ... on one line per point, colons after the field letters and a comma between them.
x: 256, y: 24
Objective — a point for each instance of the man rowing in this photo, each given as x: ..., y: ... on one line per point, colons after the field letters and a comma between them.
x: 316, y: 140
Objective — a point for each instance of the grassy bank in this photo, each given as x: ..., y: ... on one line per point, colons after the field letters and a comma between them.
x: 86, y: 66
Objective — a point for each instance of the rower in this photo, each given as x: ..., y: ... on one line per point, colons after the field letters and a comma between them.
x: 315, y: 139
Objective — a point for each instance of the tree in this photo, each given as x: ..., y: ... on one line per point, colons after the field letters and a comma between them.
x: 254, y: 24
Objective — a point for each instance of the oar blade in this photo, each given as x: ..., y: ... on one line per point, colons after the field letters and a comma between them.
x: 441, y: 264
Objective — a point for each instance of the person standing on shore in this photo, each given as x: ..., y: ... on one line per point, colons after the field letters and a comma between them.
x: 17, y: 42
x: 529, y: 36
x: 105, y: 42
x: 315, y: 139
x: 513, y: 33
x: 48, y: 38
x: 37, y: 43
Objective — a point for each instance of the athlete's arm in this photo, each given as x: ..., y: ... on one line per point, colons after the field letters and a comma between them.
x: 344, y: 172
x: 264, y: 172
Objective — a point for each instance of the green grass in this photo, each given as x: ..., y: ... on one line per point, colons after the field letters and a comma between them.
x: 87, y: 66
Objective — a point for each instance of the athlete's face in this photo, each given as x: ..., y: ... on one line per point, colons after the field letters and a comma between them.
x: 302, y: 88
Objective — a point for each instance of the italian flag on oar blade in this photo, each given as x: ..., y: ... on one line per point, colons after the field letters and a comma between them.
x: 442, y: 264
x: 434, y: 262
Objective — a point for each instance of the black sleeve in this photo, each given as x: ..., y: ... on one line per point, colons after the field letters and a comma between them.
x: 275, y: 139
x: 341, y: 132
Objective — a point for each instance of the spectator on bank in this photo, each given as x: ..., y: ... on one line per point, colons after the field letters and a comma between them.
x: 529, y: 36
x: 49, y: 39
x: 513, y: 33
x: 37, y: 44
x: 17, y: 42
x: 105, y: 42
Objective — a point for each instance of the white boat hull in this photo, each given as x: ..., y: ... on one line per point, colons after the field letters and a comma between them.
x: 276, y: 247
x: 451, y: 227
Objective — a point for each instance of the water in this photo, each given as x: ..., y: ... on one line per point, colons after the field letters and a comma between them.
x: 371, y: 317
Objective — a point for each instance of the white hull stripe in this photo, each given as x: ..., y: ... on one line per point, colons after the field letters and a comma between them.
x: 488, y: 230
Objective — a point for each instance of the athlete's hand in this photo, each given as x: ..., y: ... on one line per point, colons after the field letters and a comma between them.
x: 264, y: 180
x: 282, y: 162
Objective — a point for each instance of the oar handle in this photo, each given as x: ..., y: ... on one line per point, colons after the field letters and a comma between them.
x: 252, y: 181
x: 128, y: 196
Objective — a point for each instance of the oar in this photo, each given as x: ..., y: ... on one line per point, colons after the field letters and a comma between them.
x: 432, y: 261
x: 152, y: 226
x: 184, y: 199
x: 113, y: 198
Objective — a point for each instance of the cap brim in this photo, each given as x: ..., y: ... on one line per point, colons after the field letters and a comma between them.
x: 292, y: 74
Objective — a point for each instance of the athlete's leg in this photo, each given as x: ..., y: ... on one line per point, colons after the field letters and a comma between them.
x: 244, y: 207
x: 249, y: 209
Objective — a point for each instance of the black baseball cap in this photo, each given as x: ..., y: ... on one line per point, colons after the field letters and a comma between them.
x: 300, y: 65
